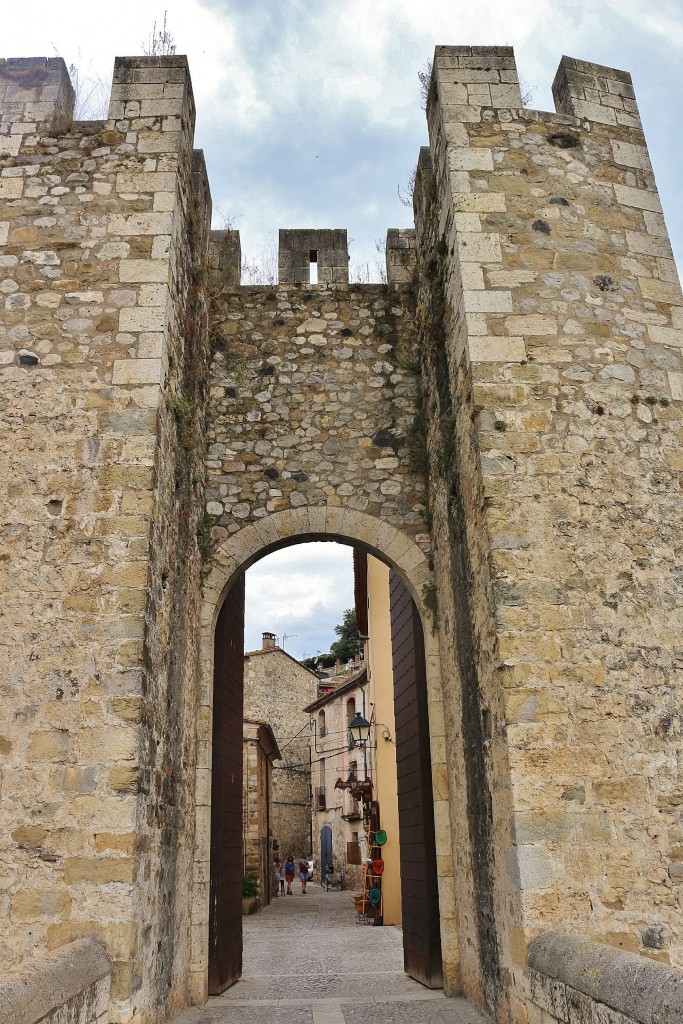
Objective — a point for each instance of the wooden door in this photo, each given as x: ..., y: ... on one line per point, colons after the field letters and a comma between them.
x: 225, y: 909
x: 419, y: 894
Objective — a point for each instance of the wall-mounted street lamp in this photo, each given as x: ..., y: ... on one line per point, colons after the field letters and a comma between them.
x: 359, y: 728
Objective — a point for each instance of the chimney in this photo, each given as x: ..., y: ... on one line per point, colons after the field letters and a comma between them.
x: 268, y: 642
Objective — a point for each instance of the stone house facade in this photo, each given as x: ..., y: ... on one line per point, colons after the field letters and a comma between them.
x: 337, y: 815
x: 276, y: 690
x: 260, y: 751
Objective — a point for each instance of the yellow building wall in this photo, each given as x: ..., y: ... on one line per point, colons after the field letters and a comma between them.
x: 381, y: 694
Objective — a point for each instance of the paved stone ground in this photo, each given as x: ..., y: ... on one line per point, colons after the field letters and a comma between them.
x: 307, y: 961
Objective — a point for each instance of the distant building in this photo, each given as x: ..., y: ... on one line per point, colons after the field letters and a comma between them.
x: 276, y: 690
x: 260, y: 750
x: 337, y: 814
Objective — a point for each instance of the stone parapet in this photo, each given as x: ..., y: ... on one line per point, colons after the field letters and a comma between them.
x: 469, y: 78
x: 576, y: 981
x: 225, y: 259
x: 594, y: 92
x: 68, y: 986
x: 301, y: 248
x: 401, y: 255
x: 36, y: 95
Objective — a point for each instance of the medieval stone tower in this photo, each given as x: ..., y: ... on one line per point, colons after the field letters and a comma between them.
x: 501, y: 423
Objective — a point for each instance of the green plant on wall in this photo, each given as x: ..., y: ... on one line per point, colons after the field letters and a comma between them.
x: 206, y: 543
x: 429, y: 596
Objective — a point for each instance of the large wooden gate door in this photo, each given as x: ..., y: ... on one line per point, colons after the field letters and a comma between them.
x: 419, y: 894
x: 225, y: 910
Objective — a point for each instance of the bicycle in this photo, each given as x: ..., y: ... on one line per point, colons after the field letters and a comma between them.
x: 326, y: 882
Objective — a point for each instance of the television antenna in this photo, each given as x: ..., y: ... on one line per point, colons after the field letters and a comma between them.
x: 287, y: 636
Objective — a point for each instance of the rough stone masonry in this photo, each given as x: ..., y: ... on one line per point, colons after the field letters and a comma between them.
x: 501, y: 423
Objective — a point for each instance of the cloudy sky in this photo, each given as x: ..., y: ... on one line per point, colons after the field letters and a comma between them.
x: 308, y: 112
x: 301, y: 592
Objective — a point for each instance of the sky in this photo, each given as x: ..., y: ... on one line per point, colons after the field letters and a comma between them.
x: 302, y: 592
x: 309, y: 115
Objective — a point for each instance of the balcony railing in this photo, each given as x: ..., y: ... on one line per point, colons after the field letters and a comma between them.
x: 352, y: 811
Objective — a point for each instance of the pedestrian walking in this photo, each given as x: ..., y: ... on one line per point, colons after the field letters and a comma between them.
x: 277, y: 871
x: 289, y: 873
x: 303, y: 874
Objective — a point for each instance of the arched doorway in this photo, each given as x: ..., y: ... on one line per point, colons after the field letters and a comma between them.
x: 410, y: 565
x: 325, y: 848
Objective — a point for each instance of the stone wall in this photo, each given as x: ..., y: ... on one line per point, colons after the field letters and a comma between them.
x: 276, y: 690
x: 102, y: 229
x: 575, y: 981
x: 259, y: 752
x: 312, y: 401
x: 68, y: 986
x: 550, y: 315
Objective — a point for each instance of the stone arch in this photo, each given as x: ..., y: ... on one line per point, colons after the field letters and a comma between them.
x: 234, y: 556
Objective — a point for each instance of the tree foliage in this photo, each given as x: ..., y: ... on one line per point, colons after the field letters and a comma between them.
x: 345, y: 648
x: 348, y: 645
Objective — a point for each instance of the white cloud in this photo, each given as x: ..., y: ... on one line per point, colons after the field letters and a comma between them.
x: 663, y: 21
x: 300, y: 591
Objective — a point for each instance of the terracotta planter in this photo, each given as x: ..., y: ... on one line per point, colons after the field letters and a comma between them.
x: 250, y: 905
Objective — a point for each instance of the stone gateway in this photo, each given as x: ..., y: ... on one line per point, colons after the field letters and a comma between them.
x: 500, y: 423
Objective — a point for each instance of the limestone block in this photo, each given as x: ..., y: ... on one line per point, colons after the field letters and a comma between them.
x: 124, y: 842
x: 676, y: 385
x: 145, y: 181
x: 479, y: 247
x: 487, y: 302
x: 666, y: 336
x: 531, y: 325
x: 51, y: 745
x: 138, y: 371
x: 639, y: 198
x: 470, y: 160
x: 640, y: 242
x: 496, y: 350
x: 464, y: 113
x: 140, y: 223
x: 660, y: 291
x: 530, y: 867
x: 628, y: 155
x: 99, y: 870
x: 480, y: 202
x: 159, y: 142
x: 11, y: 188
x: 32, y: 904
x: 549, y: 994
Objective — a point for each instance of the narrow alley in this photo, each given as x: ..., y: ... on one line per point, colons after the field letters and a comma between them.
x: 307, y: 961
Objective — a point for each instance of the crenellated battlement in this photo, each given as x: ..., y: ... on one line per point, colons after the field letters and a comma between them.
x: 36, y: 95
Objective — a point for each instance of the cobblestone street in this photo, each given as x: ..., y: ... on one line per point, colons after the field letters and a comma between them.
x: 307, y: 961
